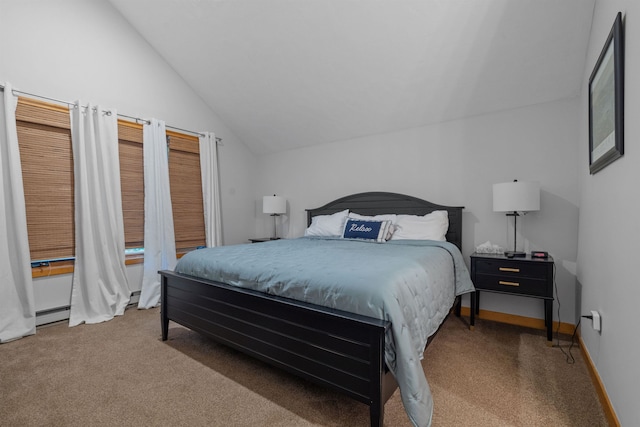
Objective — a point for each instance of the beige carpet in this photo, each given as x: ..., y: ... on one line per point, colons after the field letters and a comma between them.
x: 120, y: 373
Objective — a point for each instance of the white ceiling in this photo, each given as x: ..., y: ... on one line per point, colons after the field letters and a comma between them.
x: 284, y: 73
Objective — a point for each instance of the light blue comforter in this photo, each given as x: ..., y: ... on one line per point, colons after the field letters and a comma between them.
x: 411, y: 283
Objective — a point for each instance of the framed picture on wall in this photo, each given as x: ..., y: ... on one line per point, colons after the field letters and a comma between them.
x: 606, y: 102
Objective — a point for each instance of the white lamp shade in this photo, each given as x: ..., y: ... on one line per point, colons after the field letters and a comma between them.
x: 274, y: 204
x: 516, y: 196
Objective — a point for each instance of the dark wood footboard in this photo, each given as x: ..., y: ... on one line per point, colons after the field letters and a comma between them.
x: 337, y: 349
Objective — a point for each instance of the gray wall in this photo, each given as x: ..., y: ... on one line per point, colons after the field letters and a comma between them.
x: 75, y: 49
x: 453, y: 163
x: 609, y: 229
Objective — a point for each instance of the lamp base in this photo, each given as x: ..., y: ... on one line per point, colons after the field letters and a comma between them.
x: 515, y: 254
x: 275, y: 226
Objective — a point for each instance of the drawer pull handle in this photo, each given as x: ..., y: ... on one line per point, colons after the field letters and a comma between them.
x: 502, y: 282
x: 511, y: 270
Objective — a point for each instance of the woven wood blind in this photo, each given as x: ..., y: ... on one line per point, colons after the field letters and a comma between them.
x: 46, y: 155
x: 132, y: 182
x: 186, y: 190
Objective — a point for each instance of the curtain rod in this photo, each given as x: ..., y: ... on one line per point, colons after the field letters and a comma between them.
x: 136, y: 119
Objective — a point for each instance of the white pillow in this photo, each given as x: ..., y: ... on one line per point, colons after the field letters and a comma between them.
x: 327, y: 225
x: 384, y: 217
x: 432, y: 226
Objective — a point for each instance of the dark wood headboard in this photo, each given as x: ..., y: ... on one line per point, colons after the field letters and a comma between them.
x: 377, y: 203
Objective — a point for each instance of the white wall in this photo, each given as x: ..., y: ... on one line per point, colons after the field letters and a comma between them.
x: 609, y: 229
x: 453, y: 163
x: 75, y: 49
x: 72, y: 49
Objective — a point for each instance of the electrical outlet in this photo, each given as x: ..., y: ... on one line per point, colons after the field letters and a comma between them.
x: 596, y: 320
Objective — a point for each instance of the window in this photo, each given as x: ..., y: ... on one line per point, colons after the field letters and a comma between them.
x: 185, y: 186
x: 186, y: 191
x: 44, y: 135
x: 131, y: 182
x: 46, y: 156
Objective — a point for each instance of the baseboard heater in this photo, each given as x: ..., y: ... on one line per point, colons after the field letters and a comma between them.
x: 52, y: 315
x: 135, y: 297
x: 53, y: 310
x: 57, y: 314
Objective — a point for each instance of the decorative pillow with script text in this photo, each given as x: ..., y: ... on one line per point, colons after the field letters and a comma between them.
x: 366, y: 230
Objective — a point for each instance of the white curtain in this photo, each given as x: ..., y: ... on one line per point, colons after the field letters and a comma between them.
x: 100, y: 289
x: 159, y: 237
x: 210, y: 189
x: 17, y: 307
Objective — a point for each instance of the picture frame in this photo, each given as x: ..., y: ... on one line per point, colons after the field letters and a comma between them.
x: 606, y: 102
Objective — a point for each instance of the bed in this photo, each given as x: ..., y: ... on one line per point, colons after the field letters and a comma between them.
x: 340, y: 349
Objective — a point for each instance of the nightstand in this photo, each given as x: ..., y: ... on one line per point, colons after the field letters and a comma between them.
x: 524, y: 276
x: 263, y: 239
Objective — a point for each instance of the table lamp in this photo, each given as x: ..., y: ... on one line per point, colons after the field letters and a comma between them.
x: 274, y: 205
x: 516, y: 198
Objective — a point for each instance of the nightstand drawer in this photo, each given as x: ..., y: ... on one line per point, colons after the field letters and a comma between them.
x: 513, y: 284
x: 511, y: 268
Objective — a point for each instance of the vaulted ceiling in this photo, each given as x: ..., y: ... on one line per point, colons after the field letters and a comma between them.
x: 284, y: 74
